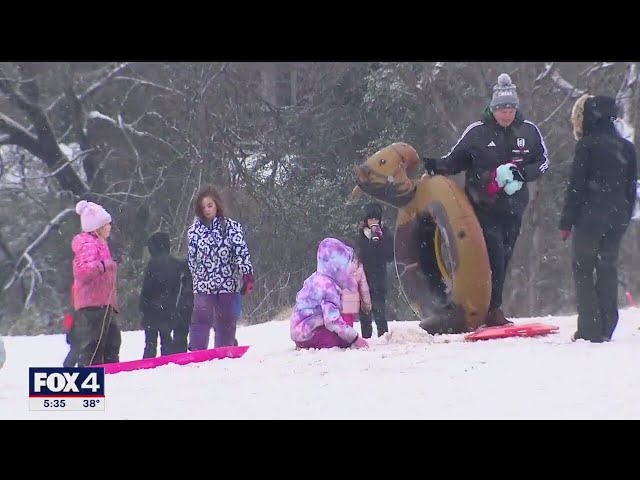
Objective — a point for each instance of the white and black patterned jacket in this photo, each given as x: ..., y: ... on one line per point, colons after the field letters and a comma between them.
x: 215, y: 253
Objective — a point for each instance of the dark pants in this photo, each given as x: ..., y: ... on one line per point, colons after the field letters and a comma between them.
x: 74, y: 349
x: 171, y: 326
x: 151, y: 334
x: 98, y: 336
x: 596, y: 249
x: 379, y: 314
x: 181, y: 323
x: 217, y: 310
x: 500, y: 234
x: 180, y: 334
x: 157, y: 322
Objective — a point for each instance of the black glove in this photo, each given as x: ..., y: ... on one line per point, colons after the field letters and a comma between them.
x: 429, y: 165
x: 517, y: 174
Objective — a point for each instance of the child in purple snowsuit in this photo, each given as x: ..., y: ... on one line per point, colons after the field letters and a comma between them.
x: 316, y: 321
x: 216, y: 248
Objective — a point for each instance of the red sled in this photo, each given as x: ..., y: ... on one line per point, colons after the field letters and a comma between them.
x: 178, y: 358
x: 508, y: 331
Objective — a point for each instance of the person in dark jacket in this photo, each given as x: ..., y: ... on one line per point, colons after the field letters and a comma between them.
x: 500, y: 153
x: 375, y: 245
x: 599, y: 202
x: 164, y: 299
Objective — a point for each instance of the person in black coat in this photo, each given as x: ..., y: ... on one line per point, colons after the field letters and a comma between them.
x: 375, y: 245
x: 599, y: 201
x: 166, y: 299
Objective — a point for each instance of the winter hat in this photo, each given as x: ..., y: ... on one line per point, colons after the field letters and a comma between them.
x: 593, y: 111
x: 505, y: 94
x: 372, y: 210
x: 600, y: 108
x: 159, y: 243
x: 92, y: 216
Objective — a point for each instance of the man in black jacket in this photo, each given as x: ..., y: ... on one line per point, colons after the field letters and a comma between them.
x: 500, y: 153
x: 599, y: 202
x: 375, y: 245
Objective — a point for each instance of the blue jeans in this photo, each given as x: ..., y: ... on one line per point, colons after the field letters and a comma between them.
x: 238, y: 306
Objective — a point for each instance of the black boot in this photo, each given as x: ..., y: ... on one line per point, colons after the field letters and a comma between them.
x: 366, y: 325
x: 496, y: 318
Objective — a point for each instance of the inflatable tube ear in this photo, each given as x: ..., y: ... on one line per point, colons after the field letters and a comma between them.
x: 441, y: 258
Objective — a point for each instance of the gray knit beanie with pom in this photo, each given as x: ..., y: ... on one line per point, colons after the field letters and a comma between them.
x: 505, y: 94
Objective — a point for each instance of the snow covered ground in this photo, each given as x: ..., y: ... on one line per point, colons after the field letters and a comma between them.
x: 409, y: 375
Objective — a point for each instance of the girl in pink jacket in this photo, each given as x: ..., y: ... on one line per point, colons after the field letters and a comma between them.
x: 358, y: 299
x: 94, y: 288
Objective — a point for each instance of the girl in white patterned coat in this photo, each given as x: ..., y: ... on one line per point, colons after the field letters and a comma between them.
x: 216, y: 248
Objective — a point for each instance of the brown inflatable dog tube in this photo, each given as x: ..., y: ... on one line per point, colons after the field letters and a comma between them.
x: 440, y: 254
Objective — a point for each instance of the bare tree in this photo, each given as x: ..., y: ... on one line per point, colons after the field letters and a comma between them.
x: 279, y: 140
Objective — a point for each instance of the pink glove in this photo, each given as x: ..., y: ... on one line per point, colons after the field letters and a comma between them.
x: 492, y: 187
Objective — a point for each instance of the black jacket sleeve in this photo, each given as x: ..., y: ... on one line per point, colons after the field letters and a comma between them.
x: 576, y: 187
x: 387, y: 244
x: 539, y: 158
x: 460, y: 156
x: 147, y: 290
x: 632, y: 176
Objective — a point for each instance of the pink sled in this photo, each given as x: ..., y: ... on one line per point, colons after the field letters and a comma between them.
x: 507, y: 331
x: 177, y: 358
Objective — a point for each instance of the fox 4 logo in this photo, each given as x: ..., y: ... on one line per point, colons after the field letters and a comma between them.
x: 66, y: 382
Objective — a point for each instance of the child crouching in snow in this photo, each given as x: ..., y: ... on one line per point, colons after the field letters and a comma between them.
x: 316, y: 321
x: 359, y: 299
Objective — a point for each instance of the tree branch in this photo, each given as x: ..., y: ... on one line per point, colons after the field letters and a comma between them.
x: 126, y: 127
x: 595, y: 67
x: 15, y: 134
x: 26, y: 254
x: 625, y: 96
x: 76, y: 157
x: 562, y: 84
x: 222, y: 70
x: 32, y: 110
x: 44, y: 145
x: 556, y: 110
x: 147, y: 83
x: 76, y: 113
x: 94, y: 87
x: 543, y: 75
x: 5, y: 248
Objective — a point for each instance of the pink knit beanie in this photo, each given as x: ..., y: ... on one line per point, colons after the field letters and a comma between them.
x: 92, y: 216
